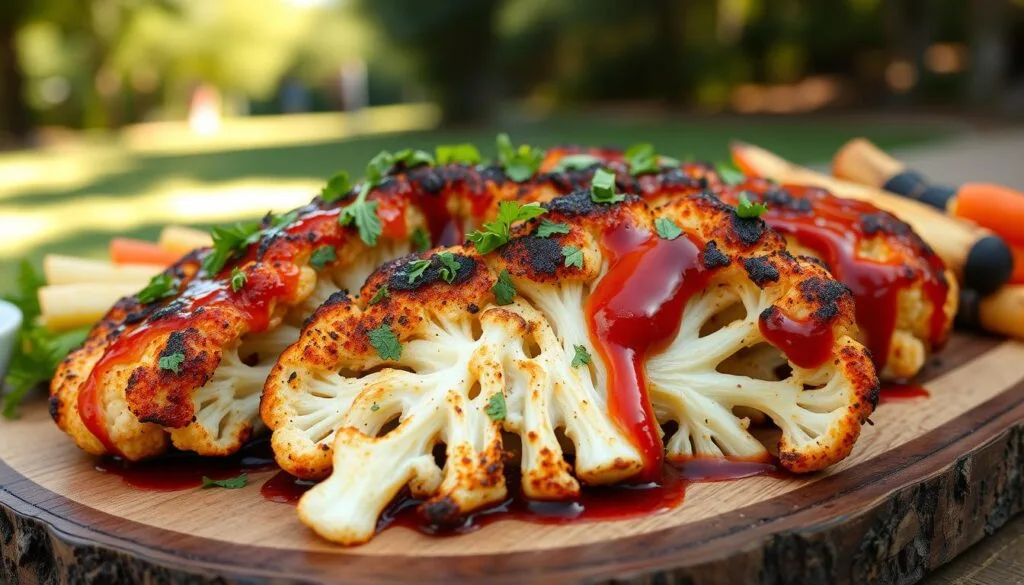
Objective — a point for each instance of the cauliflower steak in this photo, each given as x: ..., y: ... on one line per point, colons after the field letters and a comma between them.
x: 602, y: 321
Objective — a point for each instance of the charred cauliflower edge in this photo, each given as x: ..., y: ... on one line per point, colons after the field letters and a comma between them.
x: 367, y: 391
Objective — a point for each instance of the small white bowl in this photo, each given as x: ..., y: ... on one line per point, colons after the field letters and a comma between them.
x: 10, y: 321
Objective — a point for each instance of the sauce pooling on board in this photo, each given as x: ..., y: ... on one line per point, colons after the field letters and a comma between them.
x: 901, y: 392
x: 182, y: 471
x: 595, y: 502
x: 839, y: 230
x: 635, y: 310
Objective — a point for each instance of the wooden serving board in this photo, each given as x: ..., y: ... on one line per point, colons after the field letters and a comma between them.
x: 931, y: 477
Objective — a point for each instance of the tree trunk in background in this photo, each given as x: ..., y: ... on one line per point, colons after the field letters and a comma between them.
x: 989, y: 51
x: 16, y: 113
x: 462, y: 61
x: 670, y: 42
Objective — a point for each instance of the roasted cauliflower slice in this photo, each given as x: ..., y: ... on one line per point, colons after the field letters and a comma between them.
x: 447, y: 356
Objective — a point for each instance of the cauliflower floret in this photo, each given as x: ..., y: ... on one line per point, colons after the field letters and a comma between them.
x: 368, y: 390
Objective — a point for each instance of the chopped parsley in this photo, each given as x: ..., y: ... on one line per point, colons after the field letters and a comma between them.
x: 161, y: 286
x: 748, y: 209
x: 413, y: 158
x: 573, y: 256
x: 729, y: 174
x: 420, y: 240
x: 549, y: 228
x: 380, y: 295
x: 384, y: 340
x: 337, y: 187
x: 496, y: 408
x: 227, y: 242
x: 416, y: 269
x: 496, y: 233
x: 602, y: 188
x: 577, y: 162
x: 503, y: 288
x: 667, y: 229
x: 519, y: 163
x: 361, y: 212
x: 374, y: 407
x: 641, y: 159
x: 457, y: 153
x: 323, y: 256
x: 172, y: 362
x: 581, y: 357
x: 449, y: 266
x: 231, y: 483
x: 238, y: 278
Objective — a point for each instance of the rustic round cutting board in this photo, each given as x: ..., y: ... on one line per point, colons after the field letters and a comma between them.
x: 931, y: 477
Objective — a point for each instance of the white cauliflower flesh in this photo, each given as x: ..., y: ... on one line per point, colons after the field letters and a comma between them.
x: 449, y: 356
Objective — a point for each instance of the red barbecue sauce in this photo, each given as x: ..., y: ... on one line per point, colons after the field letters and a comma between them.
x: 270, y: 280
x: 835, y: 231
x: 806, y: 342
x: 594, y: 503
x: 634, y: 311
x: 901, y: 392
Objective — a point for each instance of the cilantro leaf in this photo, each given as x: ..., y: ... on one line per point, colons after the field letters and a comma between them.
x: 729, y: 174
x: 379, y: 166
x: 549, y: 228
x: 642, y: 159
x: 457, y: 153
x: 496, y: 233
x: 228, y: 242
x: 416, y: 269
x: 449, y: 266
x: 420, y: 240
x: 581, y: 357
x: 602, y: 188
x: 521, y: 163
x: 496, y: 408
x: 410, y: 158
x: 503, y: 288
x: 337, y: 187
x: 374, y: 407
x: 323, y: 256
x: 238, y: 279
x: 577, y: 162
x: 172, y: 362
x: 573, y: 256
x: 384, y: 340
x: 380, y: 295
x: 161, y: 286
x: 748, y: 209
x: 667, y: 229
x: 232, y: 483
x: 364, y: 214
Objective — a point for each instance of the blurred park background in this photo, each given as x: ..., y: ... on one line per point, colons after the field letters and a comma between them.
x: 119, y: 116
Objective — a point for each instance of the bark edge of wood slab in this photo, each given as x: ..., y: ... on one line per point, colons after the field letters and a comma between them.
x: 890, y: 518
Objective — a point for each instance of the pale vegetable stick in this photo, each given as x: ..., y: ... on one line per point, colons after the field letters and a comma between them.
x: 1003, y: 311
x: 66, y: 306
x: 182, y: 240
x: 60, y: 269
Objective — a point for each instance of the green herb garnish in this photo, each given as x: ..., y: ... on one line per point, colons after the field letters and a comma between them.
x: 577, y: 162
x: 519, y: 163
x: 337, y: 187
x: 748, y: 209
x: 729, y: 174
x: 380, y: 295
x: 496, y: 233
x: 496, y: 408
x: 416, y: 268
x: 420, y: 240
x: 238, y: 278
x: 581, y: 357
x: 161, y: 286
x: 384, y: 340
x: 232, y: 483
x: 171, y: 362
x: 503, y: 289
x: 457, y: 153
x: 573, y: 256
x: 413, y: 158
x: 602, y: 188
x: 323, y: 256
x: 449, y: 266
x: 227, y: 243
x: 667, y: 229
x: 548, y: 228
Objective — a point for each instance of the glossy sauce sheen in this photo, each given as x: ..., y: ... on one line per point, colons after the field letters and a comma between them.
x: 595, y: 503
x: 835, y: 231
x: 901, y: 392
x: 806, y: 342
x: 182, y: 471
x: 635, y: 310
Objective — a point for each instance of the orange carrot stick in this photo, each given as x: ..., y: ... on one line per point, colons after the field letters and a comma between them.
x: 1000, y: 209
x: 132, y: 251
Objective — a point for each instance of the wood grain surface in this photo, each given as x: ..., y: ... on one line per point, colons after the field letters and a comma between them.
x: 930, y: 478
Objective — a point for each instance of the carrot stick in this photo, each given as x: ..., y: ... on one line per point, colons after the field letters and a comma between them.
x: 1018, y: 265
x: 997, y: 208
x: 132, y: 251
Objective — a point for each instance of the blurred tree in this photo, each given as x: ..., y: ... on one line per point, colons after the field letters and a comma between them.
x: 449, y: 47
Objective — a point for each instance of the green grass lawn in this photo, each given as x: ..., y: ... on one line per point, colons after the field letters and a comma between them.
x: 103, y: 199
